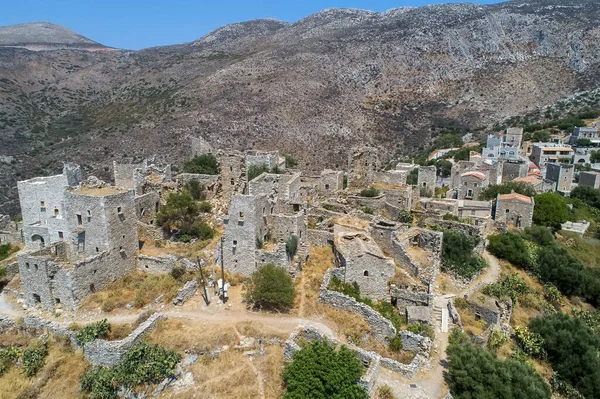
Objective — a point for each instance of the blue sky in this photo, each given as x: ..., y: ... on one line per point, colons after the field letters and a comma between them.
x: 135, y: 24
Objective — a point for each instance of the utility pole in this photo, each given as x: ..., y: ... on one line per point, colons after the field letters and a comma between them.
x: 222, y: 271
x: 204, y: 292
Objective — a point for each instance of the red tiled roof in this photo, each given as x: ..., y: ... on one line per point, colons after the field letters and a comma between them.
x: 531, y: 179
x: 516, y: 196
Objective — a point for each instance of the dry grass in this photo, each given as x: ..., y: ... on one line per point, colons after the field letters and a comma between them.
x: 59, y: 378
x: 469, y: 321
x: 137, y: 289
x: 309, y: 284
x: 446, y: 284
x: 351, y: 222
x: 404, y: 357
x: 180, y: 335
x: 349, y: 326
x: 587, y: 250
x: 257, y: 329
x: 270, y: 367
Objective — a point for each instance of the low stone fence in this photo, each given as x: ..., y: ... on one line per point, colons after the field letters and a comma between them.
x: 37, y: 323
x: 108, y: 353
x: 189, y: 289
x: 383, y: 329
x: 163, y: 264
x: 405, y: 297
x: 373, y: 361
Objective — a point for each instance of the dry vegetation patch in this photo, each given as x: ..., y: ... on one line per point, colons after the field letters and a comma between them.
x: 137, y: 289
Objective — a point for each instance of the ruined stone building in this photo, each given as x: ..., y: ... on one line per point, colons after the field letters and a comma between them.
x: 259, y: 224
x: 331, y: 182
x: 426, y: 180
x: 363, y: 262
x: 10, y: 232
x: 514, y: 209
x: 471, y: 184
x: 78, y: 239
x: 561, y: 174
x: 590, y: 179
x: 269, y: 159
x: 363, y: 162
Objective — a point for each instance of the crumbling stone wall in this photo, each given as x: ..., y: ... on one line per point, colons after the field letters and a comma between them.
x: 391, y: 177
x: 146, y: 207
x: 130, y: 176
x: 383, y: 330
x: 320, y: 238
x: 109, y: 353
x: 283, y: 227
x: 262, y: 158
x: 406, y: 297
x: 233, y: 175
x: 430, y: 241
x: 188, y: 290
x: 278, y: 256
x: 471, y: 230
x: 374, y: 203
x: 426, y: 180
x: 363, y: 162
x: 163, y: 264
x: 211, y: 183
x: 201, y: 147
x: 401, y: 197
x: 330, y: 182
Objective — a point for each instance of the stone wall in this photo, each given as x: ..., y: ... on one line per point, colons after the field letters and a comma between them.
x: 278, y: 256
x: 146, y: 207
x: 233, y: 175
x: 426, y: 180
x: 373, y: 361
x: 383, y: 330
x: 514, y: 211
x: 375, y: 203
x: 401, y: 198
x: 188, y: 290
x: 363, y: 162
x: 283, y: 226
x: 108, y: 353
x: 211, y: 183
x: 163, y: 264
x: 471, y: 230
x: 330, y: 182
x: 320, y: 238
x: 406, y: 297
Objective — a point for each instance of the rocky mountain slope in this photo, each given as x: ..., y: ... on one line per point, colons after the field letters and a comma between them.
x: 44, y: 36
x: 312, y: 88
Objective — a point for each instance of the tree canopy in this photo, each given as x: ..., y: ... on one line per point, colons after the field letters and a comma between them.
x: 476, y: 373
x: 182, y: 212
x: 572, y: 349
x: 205, y: 164
x: 271, y: 287
x: 318, y: 371
x: 550, y: 210
x: 492, y: 191
x: 457, y: 254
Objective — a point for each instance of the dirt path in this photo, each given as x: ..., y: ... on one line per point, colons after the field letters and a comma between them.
x: 259, y: 377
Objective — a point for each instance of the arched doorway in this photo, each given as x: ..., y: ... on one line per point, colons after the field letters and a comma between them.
x: 37, y: 239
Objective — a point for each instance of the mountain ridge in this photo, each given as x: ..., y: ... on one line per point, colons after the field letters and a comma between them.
x: 312, y: 88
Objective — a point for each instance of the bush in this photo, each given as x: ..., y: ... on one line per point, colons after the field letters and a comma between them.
x: 34, y: 358
x: 256, y: 170
x: 385, y: 392
x: 395, y: 344
x: 196, y: 189
x: 422, y: 329
x: 291, y: 246
x: 477, y: 373
x: 550, y: 210
x: 457, y: 254
x: 540, y: 235
x: 290, y: 161
x: 370, y: 192
x: 413, y: 177
x: 93, y: 331
x: 405, y: 216
x: 556, y: 266
x: 205, y: 207
x: 5, y: 251
x: 144, y: 364
x: 512, y: 286
x: 205, y: 164
x: 9, y: 356
x: 572, y: 350
x: 586, y: 194
x: 511, y: 247
x: 350, y: 289
x: 271, y: 287
x: 318, y: 371
x: 531, y: 343
x: 178, y: 272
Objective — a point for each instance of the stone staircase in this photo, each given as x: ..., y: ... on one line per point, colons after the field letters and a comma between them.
x: 441, y: 317
x: 300, y: 258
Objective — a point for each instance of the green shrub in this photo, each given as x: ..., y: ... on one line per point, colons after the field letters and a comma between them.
x: 196, y: 189
x: 422, y: 329
x: 531, y: 343
x: 290, y: 161
x: 458, y: 256
x: 550, y: 210
x: 370, y: 192
x: 388, y: 311
x: 511, y: 247
x: 291, y: 246
x: 6, y: 250
x: 256, y: 170
x: 205, y: 207
x: 512, y: 286
x: 34, y: 358
x: 350, y: 289
x: 572, y: 350
x: 413, y: 177
x: 93, y: 331
x: 9, y: 356
x: 449, y: 216
x: 144, y: 364
x: 367, y: 210
x: 318, y: 371
x: 271, y: 287
x: 178, y: 272
x: 474, y: 372
x: 205, y: 164
x: 385, y: 392
x: 395, y: 344
x: 405, y: 216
